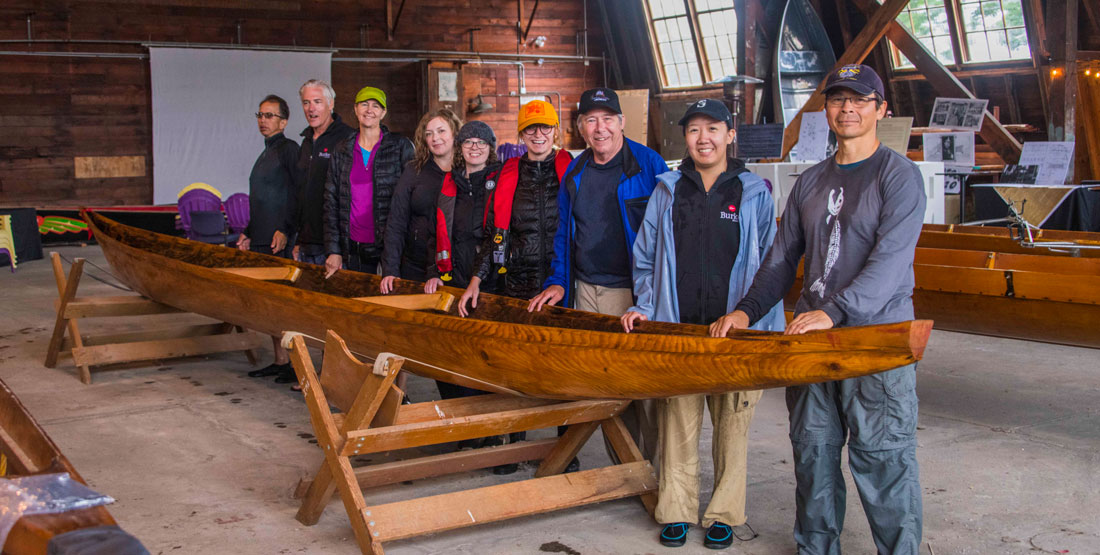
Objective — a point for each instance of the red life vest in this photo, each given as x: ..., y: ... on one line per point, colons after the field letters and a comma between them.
x: 444, y: 214
x: 503, y: 197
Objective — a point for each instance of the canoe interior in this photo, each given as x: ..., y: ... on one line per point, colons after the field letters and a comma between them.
x: 349, y: 284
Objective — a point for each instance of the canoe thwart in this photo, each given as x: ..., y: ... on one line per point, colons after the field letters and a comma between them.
x: 267, y: 273
x: 440, y: 301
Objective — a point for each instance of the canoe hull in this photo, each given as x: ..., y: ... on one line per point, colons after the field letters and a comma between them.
x: 30, y: 451
x: 518, y: 357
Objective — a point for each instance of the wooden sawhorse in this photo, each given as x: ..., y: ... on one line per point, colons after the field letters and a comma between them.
x: 373, y: 420
x: 94, y: 350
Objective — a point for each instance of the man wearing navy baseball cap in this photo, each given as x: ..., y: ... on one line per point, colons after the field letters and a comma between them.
x: 856, y: 218
x: 601, y: 204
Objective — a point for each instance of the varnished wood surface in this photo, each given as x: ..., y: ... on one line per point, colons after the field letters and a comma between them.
x: 557, y: 353
x: 30, y: 451
x: 1053, y: 299
x: 1004, y: 240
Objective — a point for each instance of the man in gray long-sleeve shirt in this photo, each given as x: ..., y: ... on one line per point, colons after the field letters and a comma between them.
x: 856, y: 219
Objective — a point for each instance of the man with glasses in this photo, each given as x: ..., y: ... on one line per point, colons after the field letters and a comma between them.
x: 271, y: 200
x: 856, y: 218
x: 601, y: 205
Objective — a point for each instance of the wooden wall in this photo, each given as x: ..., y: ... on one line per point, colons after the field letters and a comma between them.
x: 58, y: 108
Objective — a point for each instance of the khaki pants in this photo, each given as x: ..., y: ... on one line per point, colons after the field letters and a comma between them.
x: 641, y: 416
x: 681, y: 419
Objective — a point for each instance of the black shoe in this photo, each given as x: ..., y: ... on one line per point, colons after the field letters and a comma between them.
x: 286, y: 376
x: 719, y: 536
x: 573, y: 466
x: 674, y: 534
x: 270, y: 370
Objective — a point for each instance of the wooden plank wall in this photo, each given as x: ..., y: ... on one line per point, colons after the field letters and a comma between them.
x: 59, y: 108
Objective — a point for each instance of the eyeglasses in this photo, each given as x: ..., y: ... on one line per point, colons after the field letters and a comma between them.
x: 475, y: 144
x: 857, y: 101
x: 541, y: 129
x: 267, y: 115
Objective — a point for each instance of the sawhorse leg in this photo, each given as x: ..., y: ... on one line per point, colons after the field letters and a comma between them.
x: 66, y: 290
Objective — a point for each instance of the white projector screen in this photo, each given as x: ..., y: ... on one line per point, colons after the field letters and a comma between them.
x: 204, y: 101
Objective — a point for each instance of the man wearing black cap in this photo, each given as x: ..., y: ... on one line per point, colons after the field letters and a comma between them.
x: 856, y: 217
x: 600, y: 208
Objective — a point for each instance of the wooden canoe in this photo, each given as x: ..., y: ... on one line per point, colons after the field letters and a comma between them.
x: 1053, y: 299
x: 1046, y: 242
x: 27, y: 451
x: 557, y: 353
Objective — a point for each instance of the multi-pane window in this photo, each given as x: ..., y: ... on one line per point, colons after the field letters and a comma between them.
x: 994, y: 30
x: 718, y: 30
x: 988, y: 30
x: 678, y: 24
x: 927, y: 21
x: 675, y: 44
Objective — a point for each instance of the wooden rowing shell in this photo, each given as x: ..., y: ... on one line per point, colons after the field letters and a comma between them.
x: 557, y: 353
x: 1034, y: 297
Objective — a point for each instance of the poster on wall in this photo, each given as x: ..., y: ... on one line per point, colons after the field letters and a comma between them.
x: 1053, y: 159
x: 958, y: 113
x: 956, y: 151
x: 894, y: 133
x: 813, y: 138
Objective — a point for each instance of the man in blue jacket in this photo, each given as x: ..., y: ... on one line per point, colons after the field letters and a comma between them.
x: 601, y: 205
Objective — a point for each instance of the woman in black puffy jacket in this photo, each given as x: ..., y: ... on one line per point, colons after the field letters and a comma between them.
x: 361, y: 179
x: 522, y: 215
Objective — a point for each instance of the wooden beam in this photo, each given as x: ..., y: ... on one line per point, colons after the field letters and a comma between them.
x: 530, y: 20
x: 393, y: 18
x: 1062, y: 40
x: 861, y: 46
x: 845, y: 22
x: 945, y: 83
x: 458, y: 509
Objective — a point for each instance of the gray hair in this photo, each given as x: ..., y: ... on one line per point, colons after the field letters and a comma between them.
x: 326, y: 89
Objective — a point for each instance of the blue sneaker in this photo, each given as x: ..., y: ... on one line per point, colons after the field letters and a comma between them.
x: 674, y: 534
x: 719, y: 536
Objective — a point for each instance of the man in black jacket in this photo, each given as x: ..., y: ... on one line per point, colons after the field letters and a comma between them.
x: 271, y: 198
x: 319, y: 140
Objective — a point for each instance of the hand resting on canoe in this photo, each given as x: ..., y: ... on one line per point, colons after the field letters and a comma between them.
x: 551, y: 295
x: 629, y: 318
x: 738, y: 320
x: 471, y: 293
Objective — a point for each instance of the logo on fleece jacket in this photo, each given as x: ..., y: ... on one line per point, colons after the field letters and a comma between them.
x: 730, y: 213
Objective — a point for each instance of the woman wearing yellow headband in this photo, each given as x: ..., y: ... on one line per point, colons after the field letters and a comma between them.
x: 361, y: 180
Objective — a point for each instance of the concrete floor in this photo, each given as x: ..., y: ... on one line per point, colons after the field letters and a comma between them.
x: 203, y: 459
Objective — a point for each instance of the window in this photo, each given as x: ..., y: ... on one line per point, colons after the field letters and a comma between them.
x: 983, y: 31
x: 927, y: 21
x: 994, y: 30
x: 679, y: 25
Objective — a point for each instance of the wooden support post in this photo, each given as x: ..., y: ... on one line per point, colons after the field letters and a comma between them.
x: 147, y: 344
x: 360, y: 431
x: 857, y: 51
x: 945, y: 82
x: 1063, y: 71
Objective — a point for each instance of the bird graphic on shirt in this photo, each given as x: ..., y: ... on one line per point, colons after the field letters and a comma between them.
x: 835, y: 204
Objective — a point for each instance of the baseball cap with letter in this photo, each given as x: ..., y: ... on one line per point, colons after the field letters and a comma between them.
x: 860, y: 78
x: 715, y: 109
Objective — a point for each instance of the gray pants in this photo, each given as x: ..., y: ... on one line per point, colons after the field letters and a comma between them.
x: 877, y: 415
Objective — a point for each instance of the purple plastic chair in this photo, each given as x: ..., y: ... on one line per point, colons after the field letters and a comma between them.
x: 236, y: 210
x: 509, y: 150
x: 193, y: 200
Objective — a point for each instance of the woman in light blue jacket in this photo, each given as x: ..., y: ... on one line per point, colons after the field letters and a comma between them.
x: 706, y: 230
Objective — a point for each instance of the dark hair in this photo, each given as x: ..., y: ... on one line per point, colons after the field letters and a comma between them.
x: 284, y: 110
x: 423, y: 154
